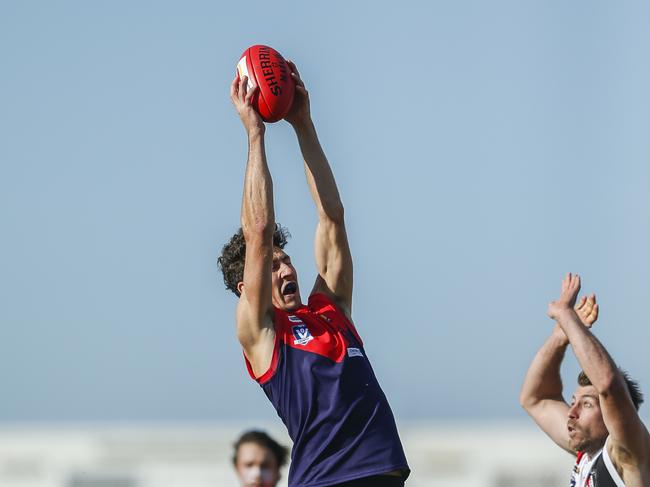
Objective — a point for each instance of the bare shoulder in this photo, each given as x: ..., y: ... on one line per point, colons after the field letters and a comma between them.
x: 256, y: 334
x: 633, y: 465
x: 343, y: 304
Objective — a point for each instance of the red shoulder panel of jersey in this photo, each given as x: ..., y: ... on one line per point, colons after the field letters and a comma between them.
x: 266, y: 376
x: 319, y: 328
x: 325, y: 306
x: 313, y: 328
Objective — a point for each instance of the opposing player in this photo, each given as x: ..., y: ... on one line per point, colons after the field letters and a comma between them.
x: 309, y: 359
x: 601, y: 425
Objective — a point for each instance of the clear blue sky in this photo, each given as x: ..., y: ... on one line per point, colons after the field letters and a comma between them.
x: 482, y: 150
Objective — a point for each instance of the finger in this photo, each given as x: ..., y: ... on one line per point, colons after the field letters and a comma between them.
x: 574, y: 282
x: 565, y: 281
x: 297, y: 80
x: 593, y: 316
x: 595, y: 310
x: 293, y: 67
x: 243, y: 87
x: 234, y: 87
x: 581, y: 303
x: 295, y: 74
x: 250, y: 94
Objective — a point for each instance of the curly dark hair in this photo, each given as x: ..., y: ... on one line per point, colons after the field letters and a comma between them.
x: 233, y: 255
x: 262, y: 439
x: 632, y: 386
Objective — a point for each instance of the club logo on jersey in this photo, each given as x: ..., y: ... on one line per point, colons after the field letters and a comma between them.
x: 301, y: 334
x: 592, y: 479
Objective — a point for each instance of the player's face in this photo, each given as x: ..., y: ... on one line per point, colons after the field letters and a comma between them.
x: 256, y: 466
x: 587, y: 430
x: 286, y: 294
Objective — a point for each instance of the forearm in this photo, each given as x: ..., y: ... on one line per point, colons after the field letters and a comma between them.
x: 590, y: 353
x: 257, y: 203
x: 320, y: 178
x: 543, y: 379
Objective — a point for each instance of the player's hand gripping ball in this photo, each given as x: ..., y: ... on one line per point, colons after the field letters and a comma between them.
x: 266, y: 68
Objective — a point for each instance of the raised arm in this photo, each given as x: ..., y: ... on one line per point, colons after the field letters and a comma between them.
x: 541, y: 392
x: 333, y: 258
x: 629, y: 441
x: 255, y: 329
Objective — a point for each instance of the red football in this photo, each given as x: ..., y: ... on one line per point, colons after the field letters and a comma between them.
x: 266, y: 68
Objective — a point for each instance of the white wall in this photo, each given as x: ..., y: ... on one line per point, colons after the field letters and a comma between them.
x: 198, y: 455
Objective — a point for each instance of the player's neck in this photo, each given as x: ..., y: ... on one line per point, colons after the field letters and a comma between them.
x: 592, y: 450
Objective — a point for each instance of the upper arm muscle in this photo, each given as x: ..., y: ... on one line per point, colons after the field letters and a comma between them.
x: 551, y: 416
x: 255, y: 329
x: 334, y: 262
x: 626, y: 430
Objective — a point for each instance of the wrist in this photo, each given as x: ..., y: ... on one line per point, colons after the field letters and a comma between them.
x: 303, y: 126
x: 256, y: 133
x: 564, y: 310
x: 559, y: 338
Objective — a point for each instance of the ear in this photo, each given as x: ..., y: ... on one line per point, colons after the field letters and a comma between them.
x: 240, y: 287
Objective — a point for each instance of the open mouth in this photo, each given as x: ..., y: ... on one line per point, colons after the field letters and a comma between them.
x: 289, y: 288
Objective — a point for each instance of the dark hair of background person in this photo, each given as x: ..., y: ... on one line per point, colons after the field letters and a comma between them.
x: 261, y: 438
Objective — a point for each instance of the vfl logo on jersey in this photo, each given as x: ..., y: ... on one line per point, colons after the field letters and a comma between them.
x: 301, y: 334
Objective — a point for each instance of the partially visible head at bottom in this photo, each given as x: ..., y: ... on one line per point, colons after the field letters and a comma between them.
x: 587, y: 429
x: 258, y: 459
x: 284, y: 278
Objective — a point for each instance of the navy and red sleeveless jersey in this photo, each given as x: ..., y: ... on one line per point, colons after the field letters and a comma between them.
x: 326, y: 393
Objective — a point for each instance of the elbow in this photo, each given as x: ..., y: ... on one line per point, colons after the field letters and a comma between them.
x: 526, y: 402
x: 261, y: 230
x: 522, y: 401
x: 528, y: 399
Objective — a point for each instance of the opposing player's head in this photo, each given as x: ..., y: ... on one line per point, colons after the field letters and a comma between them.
x: 258, y: 459
x: 284, y: 278
x: 587, y: 429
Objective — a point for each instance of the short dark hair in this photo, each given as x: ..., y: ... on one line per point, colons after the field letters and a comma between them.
x: 632, y: 386
x: 233, y: 255
x: 261, y: 438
